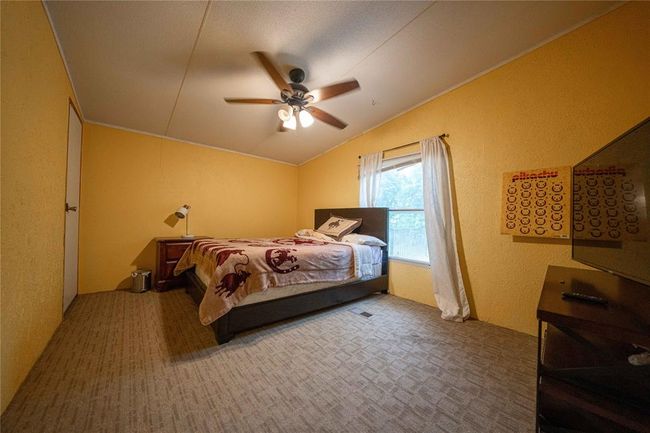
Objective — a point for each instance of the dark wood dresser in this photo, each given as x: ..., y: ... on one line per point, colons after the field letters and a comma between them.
x: 584, y: 380
x: 168, y: 252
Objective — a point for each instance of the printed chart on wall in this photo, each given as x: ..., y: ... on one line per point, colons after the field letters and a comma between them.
x: 537, y: 203
x: 609, y: 204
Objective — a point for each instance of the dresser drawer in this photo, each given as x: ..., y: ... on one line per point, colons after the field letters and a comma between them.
x: 167, y: 270
x: 175, y: 251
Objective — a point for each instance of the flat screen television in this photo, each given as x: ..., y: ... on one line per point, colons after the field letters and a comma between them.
x: 610, y: 209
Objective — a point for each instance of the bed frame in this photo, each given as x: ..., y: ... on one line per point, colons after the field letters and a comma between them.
x: 374, y: 223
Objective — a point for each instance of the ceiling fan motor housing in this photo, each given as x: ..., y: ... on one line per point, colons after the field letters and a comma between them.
x: 297, y: 75
x: 297, y: 98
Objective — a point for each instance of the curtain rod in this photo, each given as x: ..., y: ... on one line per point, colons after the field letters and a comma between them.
x: 445, y: 135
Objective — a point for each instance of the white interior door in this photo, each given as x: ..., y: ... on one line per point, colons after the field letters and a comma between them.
x: 72, y: 209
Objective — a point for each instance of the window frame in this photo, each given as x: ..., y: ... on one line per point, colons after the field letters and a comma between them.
x: 408, y: 160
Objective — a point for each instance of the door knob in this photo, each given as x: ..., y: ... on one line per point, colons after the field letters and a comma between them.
x: 69, y: 208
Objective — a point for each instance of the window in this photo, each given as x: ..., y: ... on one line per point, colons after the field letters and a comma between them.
x: 401, y: 192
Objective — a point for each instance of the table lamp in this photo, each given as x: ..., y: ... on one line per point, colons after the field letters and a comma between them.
x: 183, y: 212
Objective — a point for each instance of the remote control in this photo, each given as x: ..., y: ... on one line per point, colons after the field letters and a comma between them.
x: 585, y: 298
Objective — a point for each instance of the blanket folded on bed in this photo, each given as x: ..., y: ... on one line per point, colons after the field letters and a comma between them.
x: 239, y: 267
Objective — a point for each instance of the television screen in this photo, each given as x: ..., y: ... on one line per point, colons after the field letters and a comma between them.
x: 610, y: 211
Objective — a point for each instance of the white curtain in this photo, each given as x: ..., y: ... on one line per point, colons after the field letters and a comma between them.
x: 369, y: 177
x: 441, y: 235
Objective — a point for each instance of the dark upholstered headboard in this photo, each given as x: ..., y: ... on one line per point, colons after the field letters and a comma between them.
x: 374, y: 222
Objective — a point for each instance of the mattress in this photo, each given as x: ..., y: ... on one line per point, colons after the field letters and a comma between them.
x: 296, y: 289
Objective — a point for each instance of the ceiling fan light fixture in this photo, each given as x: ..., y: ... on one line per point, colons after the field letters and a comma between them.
x: 298, y: 100
x: 306, y: 119
x: 290, y: 124
x: 285, y: 115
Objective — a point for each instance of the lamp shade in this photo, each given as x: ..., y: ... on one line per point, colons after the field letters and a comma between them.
x: 290, y: 124
x: 182, y: 211
x: 306, y: 119
x: 285, y: 115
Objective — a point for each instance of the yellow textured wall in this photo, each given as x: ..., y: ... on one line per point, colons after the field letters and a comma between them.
x: 132, y: 183
x: 551, y: 107
x: 35, y: 92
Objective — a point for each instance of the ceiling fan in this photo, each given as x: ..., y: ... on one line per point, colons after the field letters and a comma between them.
x: 298, y: 98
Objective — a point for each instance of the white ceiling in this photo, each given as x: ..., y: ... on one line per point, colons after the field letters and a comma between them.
x: 165, y: 67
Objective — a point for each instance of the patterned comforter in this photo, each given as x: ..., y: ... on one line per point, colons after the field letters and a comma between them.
x: 239, y: 267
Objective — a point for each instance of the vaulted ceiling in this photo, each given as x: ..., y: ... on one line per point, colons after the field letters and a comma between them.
x: 165, y: 67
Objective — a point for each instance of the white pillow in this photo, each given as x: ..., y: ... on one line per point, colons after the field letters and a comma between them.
x: 309, y: 233
x: 355, y: 238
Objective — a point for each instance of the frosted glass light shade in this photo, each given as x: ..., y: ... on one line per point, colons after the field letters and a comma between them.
x: 306, y: 119
x: 290, y: 124
x: 285, y: 115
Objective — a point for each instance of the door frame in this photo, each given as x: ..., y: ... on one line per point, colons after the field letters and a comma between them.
x: 65, y: 198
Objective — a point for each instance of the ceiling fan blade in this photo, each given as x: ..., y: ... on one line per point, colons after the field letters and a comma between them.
x: 276, y: 76
x: 281, y: 127
x: 333, y: 90
x: 252, y: 101
x: 324, y: 116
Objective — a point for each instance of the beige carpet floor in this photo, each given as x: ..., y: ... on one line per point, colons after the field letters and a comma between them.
x: 123, y: 362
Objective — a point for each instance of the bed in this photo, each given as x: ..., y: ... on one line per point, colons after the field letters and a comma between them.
x: 263, y: 308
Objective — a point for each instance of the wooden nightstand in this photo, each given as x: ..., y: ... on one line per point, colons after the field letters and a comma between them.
x: 168, y: 253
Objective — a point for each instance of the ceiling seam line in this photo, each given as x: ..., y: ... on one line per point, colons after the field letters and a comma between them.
x: 187, y: 67
x: 390, y: 38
